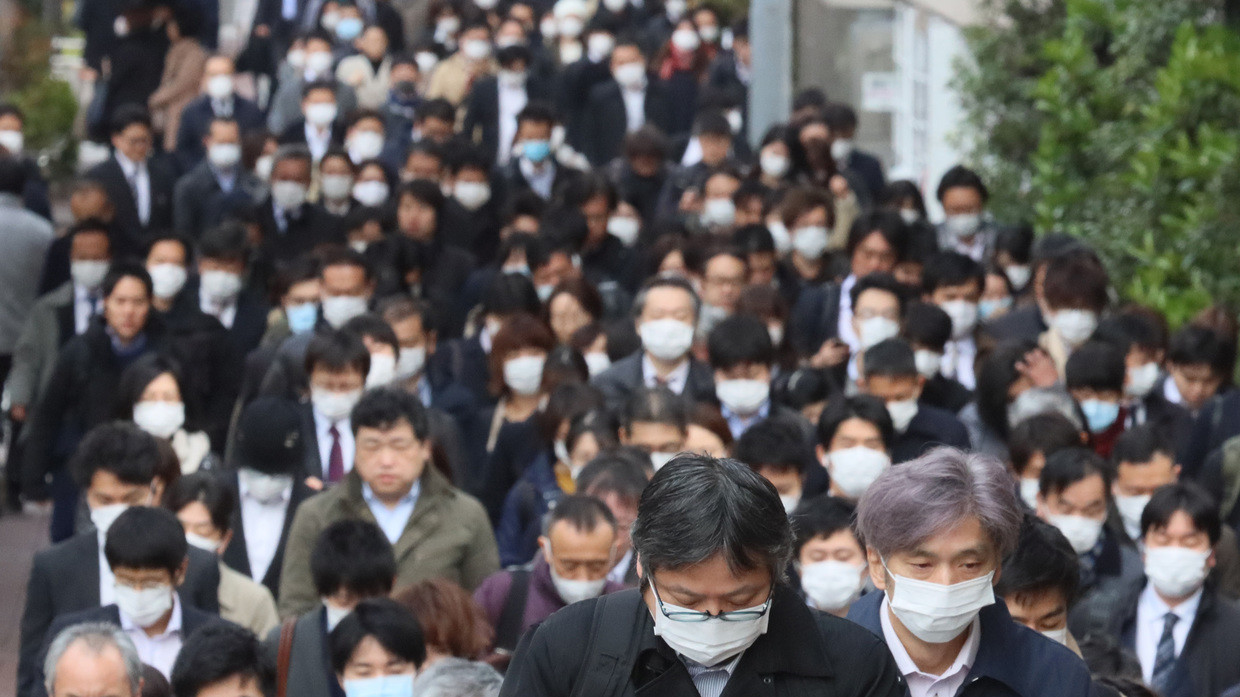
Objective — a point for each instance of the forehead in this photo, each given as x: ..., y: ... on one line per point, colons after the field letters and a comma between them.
x: 965, y: 535
x: 877, y: 298
x: 664, y: 296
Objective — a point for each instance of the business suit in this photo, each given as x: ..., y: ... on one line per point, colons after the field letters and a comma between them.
x: 481, y: 124
x: 931, y: 427
x: 869, y: 171
x: 624, y: 377
x: 51, y: 323
x: 200, y: 202
x: 606, y: 120
x: 209, y: 377
x: 572, y: 92
x: 511, y: 182
x: 309, y: 668
x: 1021, y: 324
x: 196, y: 121
x: 295, y: 134
x: 236, y: 555
x: 133, y: 237
x: 249, y: 321
x: 464, y: 362
x: 446, y: 270
x: 64, y: 579
x: 297, y: 233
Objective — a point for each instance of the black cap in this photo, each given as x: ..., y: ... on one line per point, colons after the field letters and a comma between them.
x: 269, y: 437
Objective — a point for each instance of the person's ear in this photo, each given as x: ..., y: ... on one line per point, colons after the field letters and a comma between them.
x: 179, y: 577
x: 224, y: 542
x: 1175, y: 471
x: 878, y: 574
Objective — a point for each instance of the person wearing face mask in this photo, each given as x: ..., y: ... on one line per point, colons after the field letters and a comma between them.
x: 689, y: 193
x: 1040, y: 581
x: 1175, y: 621
x: 621, y: 105
x: 1074, y: 295
x: 494, y: 102
x: 578, y: 548
x: 928, y: 329
x: 534, y: 165
x: 471, y: 211
x: 139, y: 186
x: 337, y: 363
x: 34, y: 190
x: 205, y: 507
x: 720, y: 275
x: 742, y: 358
x: 1034, y: 439
x: 453, y: 76
x: 1074, y: 495
x: 890, y: 374
x: 1142, y: 336
x: 115, y: 467
x: 349, y: 562
x: 775, y: 448
x: 146, y: 552
x: 289, y: 225
x: 368, y: 72
x: 317, y: 60
x: 378, y: 650
x: 218, y: 100
x: 1095, y: 377
x: 854, y: 437
x: 697, y: 564
x: 224, y: 253
x: 937, y: 613
x: 150, y: 394
x: 842, y: 121
x: 828, y: 558
x: 963, y: 196
x: 335, y: 190
x: 320, y: 126
x: 655, y: 421
x: 217, y: 185
x: 876, y: 309
x: 954, y: 282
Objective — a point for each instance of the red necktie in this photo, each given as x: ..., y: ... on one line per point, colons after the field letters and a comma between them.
x: 335, y: 460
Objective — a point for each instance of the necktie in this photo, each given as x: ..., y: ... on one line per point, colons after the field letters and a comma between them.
x: 335, y: 460
x: 1164, y: 656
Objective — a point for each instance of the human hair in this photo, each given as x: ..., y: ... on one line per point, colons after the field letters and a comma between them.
x: 384, y: 620
x: 12, y: 174
x: 90, y: 225
x: 174, y: 237
x: 926, y: 324
x: 1097, y: 365
x: 1068, y: 466
x: 268, y: 437
x: 98, y: 637
x: 121, y: 269
x: 292, y: 151
x: 458, y: 677
x: 207, y: 489
x: 1135, y: 326
x: 511, y: 293
x: 801, y: 200
x: 536, y: 112
x: 892, y: 358
x: 427, y: 192
x: 1042, y: 562
x: 519, y: 331
x: 739, y: 340
x: 316, y: 85
x: 961, y: 177
x: 878, y: 281
x: 582, y: 512
x: 819, y: 518
x: 839, y: 116
x: 119, y: 448
x: 995, y: 375
x: 217, y: 652
x: 1075, y: 279
x: 773, y: 442
x: 127, y: 115
x: 142, y: 372
x: 384, y: 408
x: 617, y: 472
x: 1195, y: 345
x: 889, y: 224
x: 1016, y: 240
x: 1139, y: 444
x: 909, y: 504
x: 947, y: 269
x: 753, y: 239
x: 1187, y: 497
x: 336, y: 350
x: 582, y: 291
x: 697, y: 507
x: 807, y: 386
x: 340, y: 255
x: 227, y: 241
x: 399, y: 308
x: 898, y: 193
x: 452, y: 622
x: 656, y: 405
x: 354, y: 555
x: 711, y: 122
x: 144, y: 537
x: 647, y: 141
x: 639, y: 301
x: 371, y: 326
x: 1044, y: 433
x: 865, y: 407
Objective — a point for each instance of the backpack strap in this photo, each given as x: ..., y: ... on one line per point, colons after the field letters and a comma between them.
x: 508, y: 628
x: 285, y: 655
x: 1231, y: 475
x: 610, y: 654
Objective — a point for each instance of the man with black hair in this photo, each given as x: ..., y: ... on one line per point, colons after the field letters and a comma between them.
x: 139, y: 186
x: 776, y: 449
x: 1199, y: 364
x: 377, y: 649
x: 471, y: 210
x: 1182, y: 630
x: 1032, y: 441
x: 146, y: 552
x: 711, y: 149
x: 655, y: 420
x: 23, y: 247
x: 223, y: 660
x: 336, y: 365
x: 626, y: 102
x: 224, y: 253
x: 827, y: 555
x: 1039, y: 581
x: 954, y: 282
x: 876, y: 311
x: 533, y: 164
x: 963, y: 197
x: 348, y: 561
x: 855, y: 164
x: 494, y: 102
x: 217, y: 185
x: 288, y: 223
x: 928, y: 329
x: 1095, y: 377
x: 436, y: 529
x: 1028, y: 322
x: 12, y: 139
x: 1074, y: 292
x: 1141, y: 335
x: 743, y: 359
x: 617, y: 478
x: 890, y: 374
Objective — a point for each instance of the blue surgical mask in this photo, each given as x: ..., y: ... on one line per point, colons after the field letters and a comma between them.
x: 382, y: 686
x: 1099, y: 415
x: 987, y: 309
x: 536, y: 151
x: 301, y: 318
x: 349, y: 28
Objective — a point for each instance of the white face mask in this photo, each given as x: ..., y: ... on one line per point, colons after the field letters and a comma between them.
x: 220, y: 86
x: 1029, y: 489
x: 381, y: 686
x: 630, y: 75
x: 909, y: 216
x: 597, y: 362
x: 902, y: 413
x: 712, y: 641
x: 334, y: 405
x: 659, y: 460
x: 718, y: 212
x: 145, y: 606
x: 1130, y: 509
x: 206, y: 544
x: 571, y: 591
x: 339, y: 309
x: 854, y: 469
x: 1176, y: 572
x: 963, y: 226
x: 624, y: 229
x: 104, y: 516
x: 288, y: 195
x: 321, y: 114
x: 832, y: 585
x: 779, y: 233
x: 666, y: 339
x: 220, y: 286
x: 790, y: 502
x: 686, y: 40
x: 964, y: 317
x: 841, y: 150
x: 810, y: 241
x: 876, y: 330
x: 364, y: 145
x: 928, y: 362
x: 410, y: 362
x: 371, y: 193
x: 743, y: 397
x: 1059, y: 636
x: 336, y: 187
x: 426, y: 61
x: 1018, y: 275
x: 1082, y: 532
x: 524, y: 375
x: 776, y: 333
x: 262, y: 167
x: 224, y: 155
x: 1075, y: 326
x: 599, y: 46
x: 262, y: 486
x: 88, y: 274
x: 571, y: 27
x: 936, y: 613
x: 1141, y: 380
x: 773, y: 164
x: 472, y: 195
x: 13, y: 141
x: 476, y: 49
x: 167, y: 279
x: 160, y: 419
x: 334, y: 614
x: 382, y: 370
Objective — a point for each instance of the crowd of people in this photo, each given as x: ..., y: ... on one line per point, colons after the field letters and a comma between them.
x: 368, y: 351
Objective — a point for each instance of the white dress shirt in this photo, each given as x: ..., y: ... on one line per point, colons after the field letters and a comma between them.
x: 322, y: 426
x: 541, y: 179
x: 710, y: 680
x: 924, y: 684
x: 262, y: 522
x: 392, y: 521
x: 634, y: 108
x: 140, y: 182
x: 107, y: 593
x: 225, y: 313
x: 317, y: 141
x: 1151, y: 616
x: 159, y: 651
x: 738, y: 424
x: 843, y: 328
x: 675, y: 380
x: 621, y: 569
x: 957, y: 362
x: 84, y: 308
x: 512, y: 99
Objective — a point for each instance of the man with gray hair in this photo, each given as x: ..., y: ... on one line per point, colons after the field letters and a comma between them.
x: 94, y: 658
x: 457, y: 677
x: 713, y: 613
x: 936, y: 530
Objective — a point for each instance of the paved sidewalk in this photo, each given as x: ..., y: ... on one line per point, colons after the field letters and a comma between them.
x: 20, y: 537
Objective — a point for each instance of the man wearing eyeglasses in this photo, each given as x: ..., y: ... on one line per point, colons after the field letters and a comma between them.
x: 436, y: 530
x: 713, y: 616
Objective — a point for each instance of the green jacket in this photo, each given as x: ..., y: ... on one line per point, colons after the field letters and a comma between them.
x: 448, y: 536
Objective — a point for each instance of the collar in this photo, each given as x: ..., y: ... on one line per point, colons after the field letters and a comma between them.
x: 679, y: 373
x: 80, y: 294
x: 762, y: 412
x: 174, y: 622
x: 128, y: 167
x: 532, y: 171
x: 965, y: 660
x: 322, y: 423
x: 1171, y: 391
x: 1154, y: 608
x: 431, y: 485
x: 411, y: 496
x: 695, y: 669
x: 283, y: 497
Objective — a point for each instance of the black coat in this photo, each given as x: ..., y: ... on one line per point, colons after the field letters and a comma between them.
x: 606, y: 121
x: 196, y: 119
x: 481, y: 124
x: 929, y: 428
x: 236, y: 554
x: 249, y: 323
x: 946, y: 394
x: 132, y: 236
x: 510, y: 182
x: 803, y: 653
x: 137, y: 62
x: 1021, y: 324
x: 295, y: 134
x: 209, y: 375
x: 1214, y: 425
x: 869, y: 171
x: 572, y: 92
x: 624, y: 377
x: 200, y: 203
x: 312, y: 227
x: 465, y: 363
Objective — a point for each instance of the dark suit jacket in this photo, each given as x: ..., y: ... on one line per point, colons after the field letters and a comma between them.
x: 295, y: 134
x: 572, y: 92
x: 624, y: 378
x: 64, y: 579
x: 201, y: 204
x: 946, y: 394
x: 236, y: 555
x: 313, y: 227
x: 133, y: 236
x: 191, y: 621
x: 196, y: 119
x: 249, y: 323
x: 464, y: 362
x: 869, y: 171
x: 510, y: 182
x: 309, y: 669
x: 606, y: 121
x: 481, y: 124
x: 1023, y: 324
x: 929, y: 428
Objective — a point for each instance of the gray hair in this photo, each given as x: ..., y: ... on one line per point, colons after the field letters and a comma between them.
x: 698, y: 506
x: 457, y: 677
x: 292, y: 151
x: 98, y: 637
x: 639, y: 301
x: 910, y: 503
x: 1041, y: 400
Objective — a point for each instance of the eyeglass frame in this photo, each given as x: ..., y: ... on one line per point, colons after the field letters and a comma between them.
x: 694, y: 616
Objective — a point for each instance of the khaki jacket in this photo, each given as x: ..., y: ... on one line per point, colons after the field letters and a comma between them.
x: 447, y: 536
x: 246, y: 603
